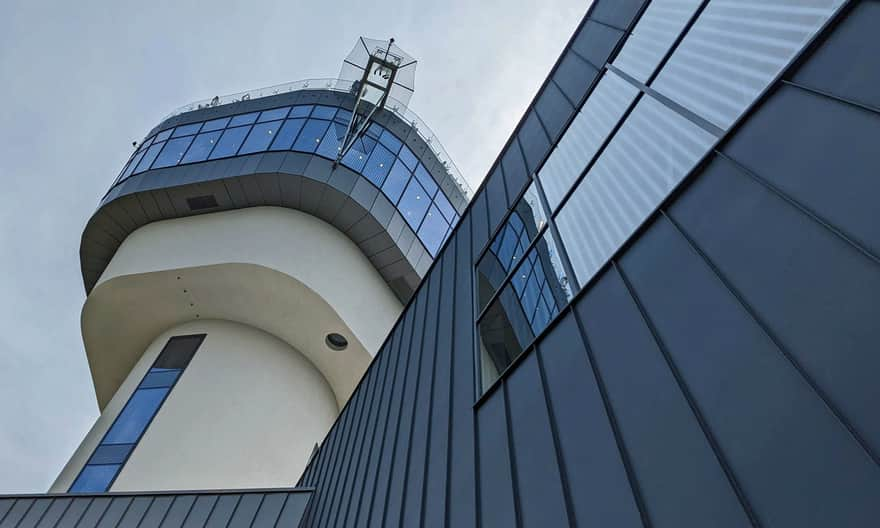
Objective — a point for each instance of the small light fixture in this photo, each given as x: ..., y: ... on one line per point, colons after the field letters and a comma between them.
x: 336, y: 341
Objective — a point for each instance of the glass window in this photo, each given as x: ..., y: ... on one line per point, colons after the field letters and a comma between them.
x: 360, y: 151
x: 162, y: 136
x: 146, y: 143
x: 173, y: 152
x: 647, y: 158
x: 131, y: 166
x: 734, y: 51
x: 390, y: 141
x: 396, y: 181
x: 342, y: 116
x: 201, y: 147
x: 244, y: 119
x: 111, y: 454
x: 94, y: 479
x: 657, y: 29
x: 425, y: 178
x: 215, y: 124
x: 229, y: 142
x: 378, y: 165
x: 408, y: 158
x: 274, y: 114
x: 332, y: 142
x: 374, y: 131
x: 588, y: 130
x: 260, y: 137
x: 134, y: 418
x: 285, y: 137
x: 444, y: 206
x: 433, y: 230
x: 324, y: 112
x: 149, y: 156
x: 300, y: 111
x: 311, y: 135
x: 160, y: 378
x: 413, y: 204
x: 186, y: 130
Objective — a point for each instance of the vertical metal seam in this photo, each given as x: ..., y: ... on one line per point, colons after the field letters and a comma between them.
x: 26, y: 511
x: 514, y: 474
x: 685, y: 391
x: 189, y: 511
x: 454, y: 264
x: 89, y: 505
x: 231, y: 514
x: 281, y: 509
x: 610, y: 415
x: 256, y: 511
x: 144, y: 514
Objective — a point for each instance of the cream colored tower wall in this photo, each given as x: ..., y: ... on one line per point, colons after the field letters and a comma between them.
x: 246, y: 413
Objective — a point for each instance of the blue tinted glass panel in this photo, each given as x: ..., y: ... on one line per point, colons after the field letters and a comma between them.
x: 215, y: 124
x: 186, y: 130
x: 244, y: 119
x: 162, y: 136
x: 274, y: 114
x: 332, y: 142
x: 360, y: 151
x: 285, y: 137
x: 111, y: 454
x: 201, y: 147
x: 301, y: 111
x: 94, y: 479
x: 390, y: 141
x: 324, y: 112
x: 311, y: 135
x: 229, y: 142
x: 445, y: 207
x: 260, y: 137
x: 173, y: 152
x: 378, y: 165
x: 374, y: 130
x: 146, y: 143
x: 433, y: 230
x: 396, y: 181
x: 413, y: 204
x: 409, y: 159
x: 426, y: 180
x: 148, y: 158
x: 134, y: 418
x: 342, y: 116
x: 162, y: 378
x: 133, y: 164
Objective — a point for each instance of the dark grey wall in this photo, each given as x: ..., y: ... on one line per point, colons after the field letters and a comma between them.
x: 720, y: 371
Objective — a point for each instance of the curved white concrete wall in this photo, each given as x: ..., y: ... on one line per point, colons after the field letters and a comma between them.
x: 246, y: 413
x: 279, y: 270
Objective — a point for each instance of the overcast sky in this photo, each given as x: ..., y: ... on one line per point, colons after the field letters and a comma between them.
x: 79, y: 81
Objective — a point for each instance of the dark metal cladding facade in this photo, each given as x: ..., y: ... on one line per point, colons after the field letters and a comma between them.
x: 719, y: 370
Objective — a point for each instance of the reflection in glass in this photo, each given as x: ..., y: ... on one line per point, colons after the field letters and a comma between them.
x: 331, y: 144
x: 537, y: 292
x: 133, y: 419
x: 162, y: 136
x: 396, y: 181
x: 173, y: 152
x: 186, y: 130
x: 244, y: 119
x: 311, y: 135
x: 285, y: 137
x: 357, y: 155
x: 735, y: 50
x: 260, y: 137
x: 230, y: 142
x: 216, y: 124
x: 273, y: 114
x: 413, y: 204
x: 378, y: 165
x: 201, y: 147
x: 149, y: 157
x: 588, y: 130
x: 93, y: 478
x: 433, y: 230
x: 647, y: 158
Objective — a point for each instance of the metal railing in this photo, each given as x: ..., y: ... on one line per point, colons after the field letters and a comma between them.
x: 340, y: 85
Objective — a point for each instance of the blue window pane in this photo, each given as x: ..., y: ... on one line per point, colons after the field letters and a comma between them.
x: 260, y: 137
x: 148, y: 158
x: 285, y: 137
x: 173, y: 152
x: 216, y: 124
x: 390, y: 140
x: 360, y: 151
x: 186, y: 130
x: 163, y: 378
x: 445, y: 207
x: 111, y: 454
x: 374, y: 131
x: 311, y: 135
x: 94, y: 479
x: 229, y: 142
x: 301, y: 111
x: 244, y: 119
x: 133, y: 164
x: 409, y: 159
x: 134, y: 418
x: 433, y: 230
x: 426, y: 180
x: 274, y: 114
x: 413, y: 204
x: 378, y: 165
x: 201, y: 147
x: 396, y: 181
x: 332, y: 142
x: 162, y: 136
x: 342, y: 116
x: 324, y: 112
x: 145, y: 143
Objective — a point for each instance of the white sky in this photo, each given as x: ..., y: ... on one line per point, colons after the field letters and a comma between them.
x: 79, y: 81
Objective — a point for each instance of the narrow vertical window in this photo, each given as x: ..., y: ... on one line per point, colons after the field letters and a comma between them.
x: 120, y: 440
